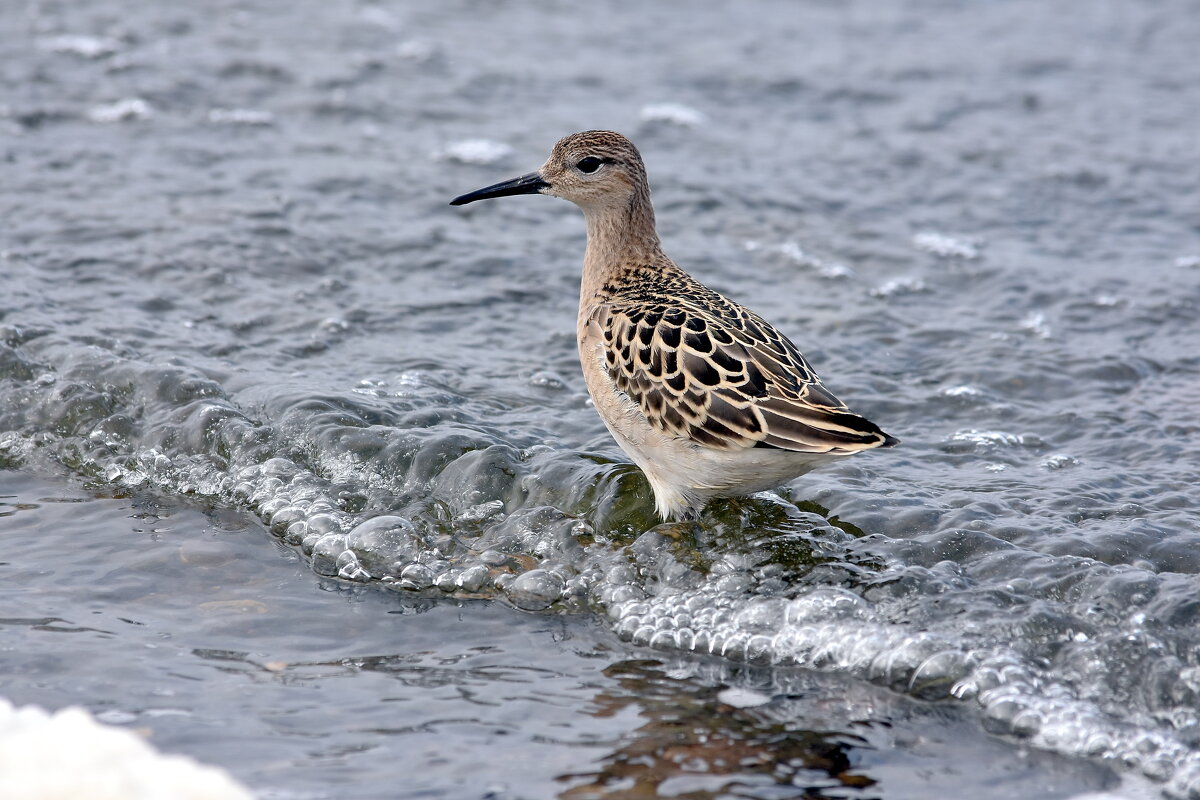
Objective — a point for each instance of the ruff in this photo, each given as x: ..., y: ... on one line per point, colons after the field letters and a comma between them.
x: 705, y: 396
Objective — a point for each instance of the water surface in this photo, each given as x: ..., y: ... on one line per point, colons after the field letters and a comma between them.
x: 234, y: 294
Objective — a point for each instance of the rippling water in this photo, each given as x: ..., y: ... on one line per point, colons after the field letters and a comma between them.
x: 231, y: 281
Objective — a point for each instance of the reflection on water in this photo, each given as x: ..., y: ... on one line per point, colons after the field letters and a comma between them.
x: 690, y: 743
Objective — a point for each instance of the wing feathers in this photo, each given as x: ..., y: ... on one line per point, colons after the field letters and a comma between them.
x: 724, y: 378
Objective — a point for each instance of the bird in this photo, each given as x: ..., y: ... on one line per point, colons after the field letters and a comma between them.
x: 706, y: 397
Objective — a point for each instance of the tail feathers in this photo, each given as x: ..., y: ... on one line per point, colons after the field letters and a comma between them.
x: 805, y: 428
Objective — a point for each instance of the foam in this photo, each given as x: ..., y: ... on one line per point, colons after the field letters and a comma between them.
x: 67, y: 755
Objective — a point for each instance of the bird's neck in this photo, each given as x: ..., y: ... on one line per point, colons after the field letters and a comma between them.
x: 620, y: 239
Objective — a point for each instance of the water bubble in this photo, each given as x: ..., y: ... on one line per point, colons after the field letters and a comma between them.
x: 283, y: 519
x: 621, y: 574
x: 268, y: 508
x: 334, y: 325
x: 637, y: 633
x: 380, y: 541
x: 416, y: 577
x: 325, y: 553
x: 731, y: 645
x: 579, y: 587
x: 326, y: 522
x: 736, y: 583
x: 762, y: 617
x: 493, y: 558
x: 1058, y: 461
x: 659, y: 640
x: 544, y: 379
x: 535, y: 590
x: 626, y: 593
x: 134, y: 478
x: 1026, y: 723
x: 1158, y: 768
x: 480, y: 512
x: 280, y: 468
x: 938, y: 674
x: 349, y: 569
x: 296, y: 532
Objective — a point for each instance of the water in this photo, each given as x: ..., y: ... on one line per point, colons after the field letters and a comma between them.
x: 233, y: 291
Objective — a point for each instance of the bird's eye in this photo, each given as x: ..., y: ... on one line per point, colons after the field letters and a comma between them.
x: 589, y: 164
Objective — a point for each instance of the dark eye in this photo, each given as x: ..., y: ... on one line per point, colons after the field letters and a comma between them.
x: 589, y: 164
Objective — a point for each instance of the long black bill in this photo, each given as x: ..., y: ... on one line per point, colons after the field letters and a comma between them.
x: 526, y: 184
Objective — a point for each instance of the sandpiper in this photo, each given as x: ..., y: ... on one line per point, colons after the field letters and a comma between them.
x: 705, y: 396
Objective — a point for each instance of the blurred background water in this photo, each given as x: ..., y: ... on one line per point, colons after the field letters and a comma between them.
x: 299, y: 459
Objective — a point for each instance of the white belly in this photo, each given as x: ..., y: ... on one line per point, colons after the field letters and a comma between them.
x: 682, y: 473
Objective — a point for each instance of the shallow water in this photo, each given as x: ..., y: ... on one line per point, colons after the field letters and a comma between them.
x: 233, y: 290
x: 190, y: 624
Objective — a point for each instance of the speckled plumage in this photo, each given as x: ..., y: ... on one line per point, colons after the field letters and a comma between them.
x: 704, y: 395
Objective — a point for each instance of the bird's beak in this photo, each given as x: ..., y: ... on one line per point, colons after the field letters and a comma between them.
x: 526, y: 184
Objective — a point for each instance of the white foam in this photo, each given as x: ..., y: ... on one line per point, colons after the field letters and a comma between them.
x: 742, y: 698
x: 132, y: 108
x: 793, y: 252
x: 1058, y: 461
x: 240, y: 116
x: 1035, y: 323
x: 900, y: 286
x: 416, y: 50
x: 838, y: 631
x: 476, y: 151
x: 673, y: 113
x: 83, y: 46
x: 945, y: 246
x: 69, y: 755
x: 988, y: 438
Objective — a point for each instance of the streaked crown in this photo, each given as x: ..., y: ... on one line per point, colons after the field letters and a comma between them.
x: 595, y: 168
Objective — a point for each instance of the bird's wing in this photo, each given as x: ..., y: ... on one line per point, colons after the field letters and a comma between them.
x: 724, y: 378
